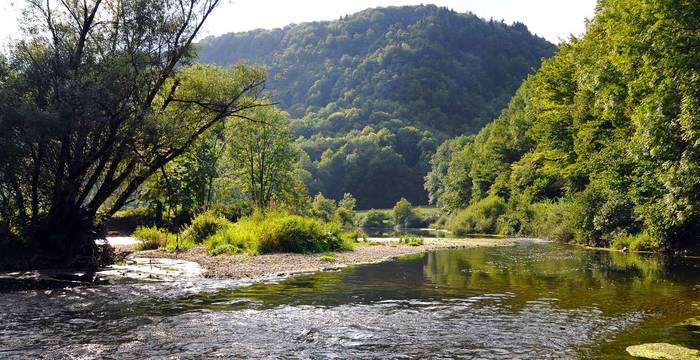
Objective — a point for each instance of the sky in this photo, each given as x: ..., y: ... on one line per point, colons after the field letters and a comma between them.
x: 555, y: 20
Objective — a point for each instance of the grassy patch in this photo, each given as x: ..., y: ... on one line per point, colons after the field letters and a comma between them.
x: 151, y: 238
x: 278, y: 232
x: 411, y: 240
x: 204, y: 226
x: 327, y: 258
x: 639, y: 242
x: 479, y: 218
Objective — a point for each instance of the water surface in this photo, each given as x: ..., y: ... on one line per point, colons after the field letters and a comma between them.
x: 530, y: 301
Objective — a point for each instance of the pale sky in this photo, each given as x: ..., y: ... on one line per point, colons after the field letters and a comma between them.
x: 554, y: 20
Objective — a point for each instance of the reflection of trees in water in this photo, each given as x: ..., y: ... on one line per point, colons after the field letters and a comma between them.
x: 613, y: 282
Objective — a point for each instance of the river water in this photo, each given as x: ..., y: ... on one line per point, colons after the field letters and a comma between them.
x: 530, y: 301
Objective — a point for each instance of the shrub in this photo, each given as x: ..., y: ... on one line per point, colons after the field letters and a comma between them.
x: 327, y: 257
x: 639, y: 242
x: 203, y: 226
x: 151, y: 238
x: 404, y: 215
x: 551, y: 220
x: 241, y: 237
x: 294, y: 233
x: 345, y: 216
x: 323, y: 208
x: 277, y: 232
x: 376, y: 219
x: 411, y: 239
x: 480, y: 217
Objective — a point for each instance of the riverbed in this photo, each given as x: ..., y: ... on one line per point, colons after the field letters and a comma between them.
x: 529, y: 301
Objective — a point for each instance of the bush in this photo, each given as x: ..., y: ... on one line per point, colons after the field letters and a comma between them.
x: 376, y: 219
x: 203, y: 226
x: 152, y: 238
x: 323, y: 208
x: 277, y: 232
x: 480, y: 217
x: 345, y: 217
x: 327, y: 257
x: 639, y: 242
x: 551, y: 220
x: 294, y: 233
x: 411, y: 239
x: 404, y: 215
x: 235, y: 239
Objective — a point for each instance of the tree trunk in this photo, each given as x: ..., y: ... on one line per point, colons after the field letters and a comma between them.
x: 66, y: 239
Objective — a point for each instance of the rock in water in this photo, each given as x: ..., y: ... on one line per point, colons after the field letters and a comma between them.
x: 663, y: 351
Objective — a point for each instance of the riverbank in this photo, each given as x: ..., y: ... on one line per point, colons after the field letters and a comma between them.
x: 244, y: 266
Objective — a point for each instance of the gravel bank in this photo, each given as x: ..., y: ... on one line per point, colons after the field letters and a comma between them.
x: 244, y: 266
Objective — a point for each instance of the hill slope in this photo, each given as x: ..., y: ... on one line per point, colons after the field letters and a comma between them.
x: 601, y: 146
x: 373, y: 93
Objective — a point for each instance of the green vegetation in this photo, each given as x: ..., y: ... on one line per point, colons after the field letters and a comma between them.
x: 373, y: 94
x: 403, y: 214
x: 327, y: 258
x: 151, y: 238
x: 277, y: 232
x: 411, y: 240
x: 203, y: 226
x: 480, y: 217
x: 90, y: 111
x: 259, y: 233
x: 598, y: 147
x: 376, y: 219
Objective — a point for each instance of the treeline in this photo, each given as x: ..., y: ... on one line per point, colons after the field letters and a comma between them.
x: 601, y: 146
x: 372, y: 94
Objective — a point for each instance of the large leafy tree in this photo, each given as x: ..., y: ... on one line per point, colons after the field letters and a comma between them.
x: 96, y: 98
x: 264, y: 158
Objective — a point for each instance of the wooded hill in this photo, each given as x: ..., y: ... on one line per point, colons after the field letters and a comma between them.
x: 373, y: 94
x: 601, y: 146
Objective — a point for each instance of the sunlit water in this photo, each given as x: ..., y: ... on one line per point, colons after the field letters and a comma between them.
x: 530, y: 301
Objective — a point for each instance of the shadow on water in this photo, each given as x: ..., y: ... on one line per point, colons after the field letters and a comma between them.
x: 527, y: 301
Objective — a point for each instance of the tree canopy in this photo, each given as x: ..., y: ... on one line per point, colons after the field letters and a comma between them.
x: 97, y: 97
x: 602, y: 144
x: 414, y: 75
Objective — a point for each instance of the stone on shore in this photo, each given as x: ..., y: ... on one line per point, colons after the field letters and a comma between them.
x: 663, y: 351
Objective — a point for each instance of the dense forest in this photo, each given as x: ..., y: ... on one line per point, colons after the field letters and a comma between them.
x: 601, y: 146
x: 371, y: 95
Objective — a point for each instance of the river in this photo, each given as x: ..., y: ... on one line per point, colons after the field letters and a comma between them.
x: 530, y: 301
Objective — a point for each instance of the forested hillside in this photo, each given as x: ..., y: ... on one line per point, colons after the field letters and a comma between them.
x: 373, y: 94
x: 601, y: 146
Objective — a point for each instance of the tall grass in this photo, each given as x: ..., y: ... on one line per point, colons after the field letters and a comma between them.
x: 478, y: 218
x: 278, y: 232
x: 203, y: 226
x: 151, y: 238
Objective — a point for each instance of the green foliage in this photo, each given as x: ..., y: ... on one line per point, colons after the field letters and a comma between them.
x: 242, y: 237
x: 600, y: 145
x: 91, y: 111
x: 323, y: 208
x: 277, y: 232
x: 403, y: 214
x: 327, y: 258
x: 413, y: 75
x: 263, y: 158
x: 151, y: 238
x: 479, y: 218
x: 376, y: 219
x: 345, y: 217
x: 411, y: 240
x: 203, y: 226
x: 348, y: 202
x: 639, y: 242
